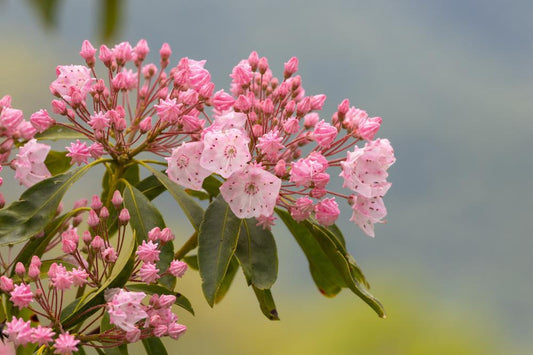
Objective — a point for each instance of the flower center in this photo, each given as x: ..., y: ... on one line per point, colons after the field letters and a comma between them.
x: 251, y: 188
x: 230, y: 151
x: 182, y: 161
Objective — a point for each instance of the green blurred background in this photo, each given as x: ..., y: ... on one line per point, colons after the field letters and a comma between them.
x: 453, y: 83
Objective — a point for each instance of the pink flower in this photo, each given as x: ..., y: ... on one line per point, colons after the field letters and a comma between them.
x: 97, y: 243
x: 154, y: 234
x: 225, y: 151
x: 270, y: 144
x: 365, y: 169
x: 96, y: 150
x: 251, y: 192
x: 21, y: 296
x: 324, y: 134
x: 60, y: 278
x: 69, y: 240
x: 266, y: 221
x: 198, y: 76
x: 78, y: 152
x: 370, y: 127
x: 125, y: 80
x: 309, y: 170
x: 72, y: 78
x: 327, y: 211
x: 99, y: 121
x: 184, y: 165
x: 367, y: 211
x: 148, y: 252
x: 302, y: 209
x: 223, y: 101
x: 177, y: 268
x: 175, y: 330
x: 29, y: 163
x: 242, y: 73
x: 166, y: 235
x: 10, y: 118
x: 6, y: 284
x: 117, y: 199
x: 42, y: 335
x: 291, y: 67
x: 168, y: 110
x: 79, y: 276
x: 125, y: 309
x: 41, y: 120
x: 109, y: 254
x: 18, y: 331
x: 87, y: 52
x: 148, y: 273
x: 123, y: 53
x: 65, y: 344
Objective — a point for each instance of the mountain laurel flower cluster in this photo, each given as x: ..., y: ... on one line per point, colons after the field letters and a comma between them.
x: 103, y: 274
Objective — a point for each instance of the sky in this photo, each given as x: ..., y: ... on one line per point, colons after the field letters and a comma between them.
x: 452, y: 80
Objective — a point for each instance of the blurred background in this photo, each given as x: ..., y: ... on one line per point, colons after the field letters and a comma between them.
x: 453, y: 81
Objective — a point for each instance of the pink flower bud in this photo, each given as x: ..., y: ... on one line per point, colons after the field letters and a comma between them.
x: 343, y: 108
x: 141, y: 50
x: 291, y: 67
x: 154, y: 234
x: 5, y: 101
x: 291, y: 126
x: 35, y: 261
x: 207, y: 90
x: 310, y: 120
x: 96, y: 203
x: 242, y: 104
x: 20, y: 270
x: 104, y: 213
x: 124, y: 216
x: 175, y: 330
x: 166, y: 235
x: 146, y: 124
x: 34, y: 272
x: 263, y: 65
x: 253, y: 60
x: 327, y: 211
x: 324, y: 134
x: 96, y: 150
x: 106, y: 56
x: 109, y: 255
x: 123, y: 53
x: 93, y: 219
x: 317, y: 102
x: 6, y: 284
x: 87, y: 52
x: 41, y: 121
x: 117, y: 199
x: 281, y: 168
x: 97, y: 243
x: 222, y: 101
x: 165, y: 52
x: 87, y: 238
x: 177, y: 268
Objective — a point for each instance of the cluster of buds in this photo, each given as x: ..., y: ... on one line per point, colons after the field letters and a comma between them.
x: 88, y: 264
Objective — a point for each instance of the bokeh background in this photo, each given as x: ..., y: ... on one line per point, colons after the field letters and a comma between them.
x: 453, y: 81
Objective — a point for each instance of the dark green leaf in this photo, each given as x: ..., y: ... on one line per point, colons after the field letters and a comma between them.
x: 57, y: 162
x: 72, y: 315
x: 150, y: 187
x: 190, y: 207
x: 228, y: 279
x: 28, y: 349
x: 181, y: 300
x: 192, y: 261
x: 145, y: 216
x: 217, y: 241
x: 197, y: 194
x: 36, y: 207
x: 257, y: 254
x: 154, y: 346
x: 212, y: 185
x: 59, y: 132
x: 326, y: 277
x: 266, y: 303
x: 118, y: 350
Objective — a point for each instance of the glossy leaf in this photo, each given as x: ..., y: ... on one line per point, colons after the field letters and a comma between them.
x: 190, y: 207
x: 72, y: 315
x: 57, y: 162
x: 257, y: 254
x: 217, y: 241
x: 145, y: 216
x: 266, y: 303
x: 36, y: 207
x: 212, y: 185
x: 59, y: 132
x: 154, y: 346
x: 150, y: 187
x: 192, y: 261
x: 227, y: 280
x: 181, y: 300
x: 325, y: 275
x: 117, y: 350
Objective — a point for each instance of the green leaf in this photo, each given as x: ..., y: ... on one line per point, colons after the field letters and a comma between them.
x: 154, y: 346
x: 28, y: 349
x: 212, y: 185
x: 36, y: 207
x: 59, y: 132
x: 72, y: 315
x: 150, y: 187
x: 217, y: 241
x: 190, y: 207
x: 257, y: 254
x: 57, y: 162
x: 227, y: 280
x: 181, y: 300
x: 192, y: 261
x: 325, y: 275
x: 266, y: 303
x: 143, y: 217
x: 338, y: 257
x: 117, y: 350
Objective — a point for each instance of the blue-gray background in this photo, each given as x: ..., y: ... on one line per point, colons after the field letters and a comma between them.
x: 453, y: 81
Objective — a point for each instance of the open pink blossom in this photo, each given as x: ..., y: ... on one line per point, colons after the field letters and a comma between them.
x: 125, y: 309
x: 78, y: 152
x: 365, y: 169
x: 251, y: 192
x: 18, y: 331
x: 225, y: 151
x: 29, y: 163
x: 65, y: 344
x: 21, y: 296
x: 72, y: 78
x: 184, y: 165
x: 367, y: 211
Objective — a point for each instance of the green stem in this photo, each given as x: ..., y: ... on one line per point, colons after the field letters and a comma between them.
x: 189, y: 245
